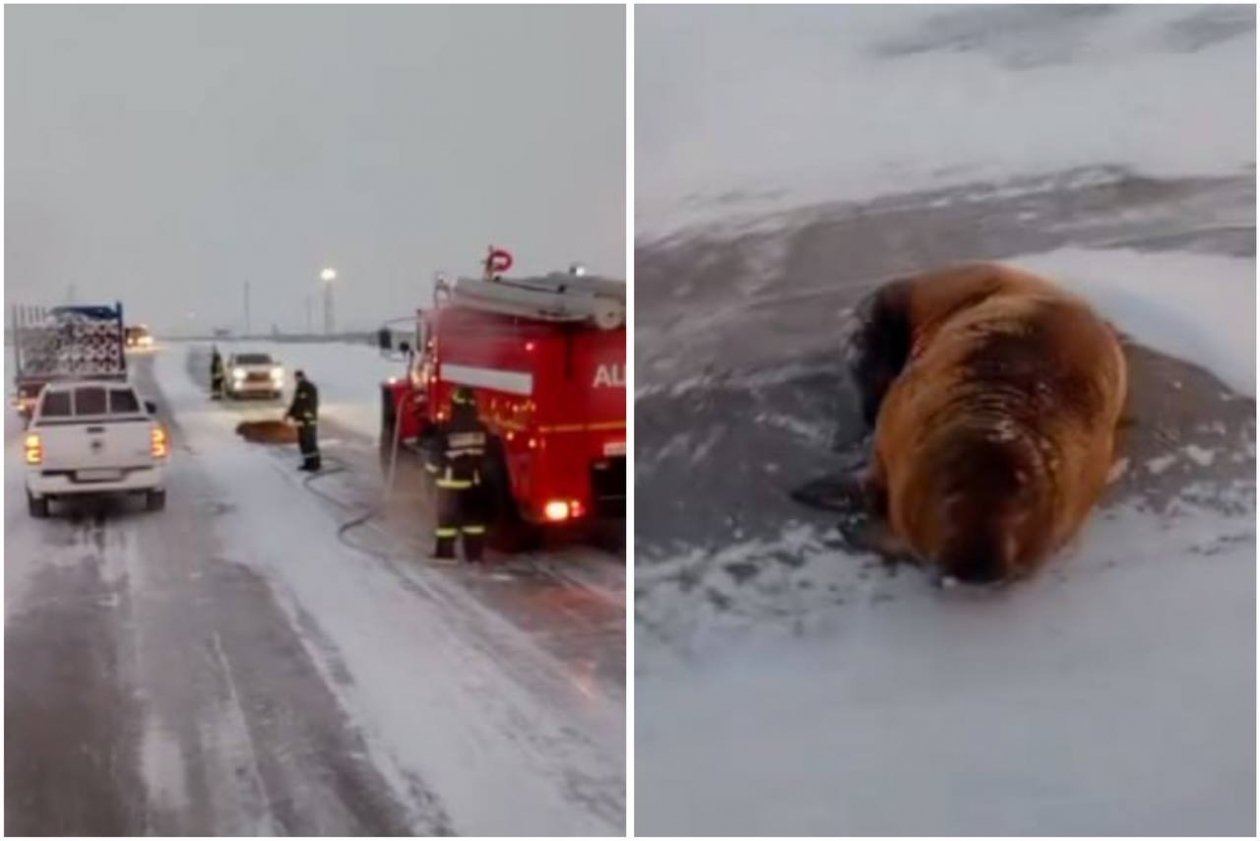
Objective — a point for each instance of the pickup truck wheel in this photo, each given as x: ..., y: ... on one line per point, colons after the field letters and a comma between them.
x: 155, y: 500
x: 37, y: 507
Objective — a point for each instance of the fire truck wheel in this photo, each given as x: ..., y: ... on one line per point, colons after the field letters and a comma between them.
x: 512, y: 535
x: 508, y: 531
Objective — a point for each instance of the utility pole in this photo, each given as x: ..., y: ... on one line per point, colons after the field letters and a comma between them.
x: 328, y: 276
x: 247, y: 324
x: 328, y: 309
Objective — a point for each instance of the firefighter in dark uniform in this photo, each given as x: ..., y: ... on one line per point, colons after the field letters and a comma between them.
x: 216, y: 372
x: 304, y: 411
x: 457, y: 457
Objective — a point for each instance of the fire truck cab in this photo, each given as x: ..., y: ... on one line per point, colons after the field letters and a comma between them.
x: 545, y: 357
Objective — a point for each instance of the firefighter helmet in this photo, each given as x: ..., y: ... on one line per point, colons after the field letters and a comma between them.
x: 463, y: 395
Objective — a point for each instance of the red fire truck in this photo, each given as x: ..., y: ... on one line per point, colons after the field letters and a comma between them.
x: 545, y: 357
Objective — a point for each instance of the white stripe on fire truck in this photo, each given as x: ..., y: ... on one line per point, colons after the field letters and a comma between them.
x: 513, y: 382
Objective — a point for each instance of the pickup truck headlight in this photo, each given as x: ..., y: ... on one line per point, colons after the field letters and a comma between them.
x: 277, y: 374
x: 238, y: 374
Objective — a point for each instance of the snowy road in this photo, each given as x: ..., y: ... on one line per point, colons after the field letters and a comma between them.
x: 237, y: 664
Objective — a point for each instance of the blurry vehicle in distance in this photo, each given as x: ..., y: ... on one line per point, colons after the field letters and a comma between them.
x: 138, y: 338
x: 253, y: 375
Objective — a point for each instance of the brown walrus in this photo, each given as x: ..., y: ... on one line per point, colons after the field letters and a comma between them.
x: 995, y: 398
x: 267, y: 432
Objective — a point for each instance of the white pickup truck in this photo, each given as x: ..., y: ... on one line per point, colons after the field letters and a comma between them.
x: 93, y: 438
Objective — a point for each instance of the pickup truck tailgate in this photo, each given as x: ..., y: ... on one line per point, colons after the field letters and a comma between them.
x: 96, y: 448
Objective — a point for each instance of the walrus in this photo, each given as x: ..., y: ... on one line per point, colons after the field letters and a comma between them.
x: 995, y: 398
x: 267, y: 432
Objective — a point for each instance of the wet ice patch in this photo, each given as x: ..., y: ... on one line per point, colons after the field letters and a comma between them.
x: 1199, y: 455
x: 164, y: 769
x: 811, y: 433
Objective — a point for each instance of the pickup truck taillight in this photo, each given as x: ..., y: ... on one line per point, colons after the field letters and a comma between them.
x: 157, y: 442
x: 34, y: 449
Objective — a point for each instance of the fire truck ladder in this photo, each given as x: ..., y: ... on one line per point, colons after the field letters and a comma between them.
x: 553, y: 297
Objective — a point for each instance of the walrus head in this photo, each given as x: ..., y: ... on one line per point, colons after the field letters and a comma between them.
x: 879, y: 346
x: 985, y: 515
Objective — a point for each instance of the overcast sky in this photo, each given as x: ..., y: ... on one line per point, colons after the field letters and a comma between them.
x: 165, y: 155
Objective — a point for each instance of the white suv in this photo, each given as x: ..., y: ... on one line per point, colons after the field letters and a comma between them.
x: 253, y: 374
x: 92, y: 438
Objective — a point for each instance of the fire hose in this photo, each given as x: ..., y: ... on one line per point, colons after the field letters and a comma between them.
x: 372, y: 512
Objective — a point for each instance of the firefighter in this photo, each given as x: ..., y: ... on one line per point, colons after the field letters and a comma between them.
x: 216, y: 372
x: 304, y: 411
x: 457, y: 458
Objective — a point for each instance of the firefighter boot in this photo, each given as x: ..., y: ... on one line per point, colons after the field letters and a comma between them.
x: 444, y: 545
x: 474, y: 543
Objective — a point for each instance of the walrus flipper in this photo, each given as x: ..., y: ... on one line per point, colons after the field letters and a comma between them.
x: 868, y: 533
x: 844, y: 494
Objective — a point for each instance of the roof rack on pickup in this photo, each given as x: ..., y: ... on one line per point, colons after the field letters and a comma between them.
x: 68, y: 341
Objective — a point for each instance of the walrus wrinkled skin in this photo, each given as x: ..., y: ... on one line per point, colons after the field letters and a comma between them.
x: 267, y: 432
x: 995, y: 398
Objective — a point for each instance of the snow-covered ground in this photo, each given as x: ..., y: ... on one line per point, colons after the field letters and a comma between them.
x: 241, y: 663
x: 1196, y: 307
x: 784, y: 686
x: 743, y: 110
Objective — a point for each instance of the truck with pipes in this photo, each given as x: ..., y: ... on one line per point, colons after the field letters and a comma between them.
x: 545, y: 357
x: 55, y: 344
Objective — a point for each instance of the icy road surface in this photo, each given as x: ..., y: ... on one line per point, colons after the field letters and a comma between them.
x: 233, y: 666
x: 784, y: 686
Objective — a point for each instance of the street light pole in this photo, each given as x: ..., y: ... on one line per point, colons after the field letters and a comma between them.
x: 328, y: 276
